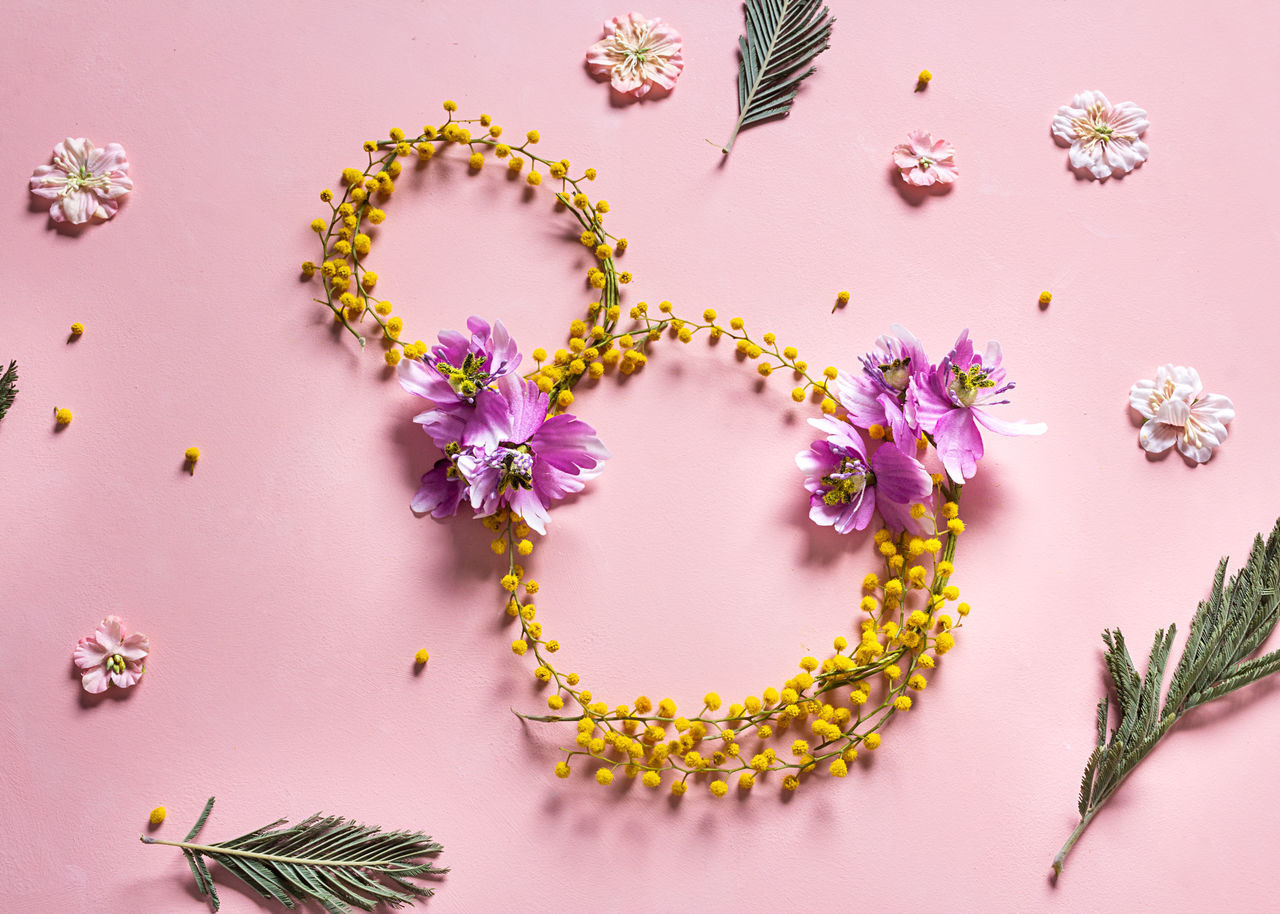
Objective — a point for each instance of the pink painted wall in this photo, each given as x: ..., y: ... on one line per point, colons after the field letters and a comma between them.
x: 286, y: 585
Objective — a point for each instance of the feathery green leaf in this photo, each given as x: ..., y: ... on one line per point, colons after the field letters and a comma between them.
x: 1226, y: 629
x: 327, y: 859
x: 783, y: 38
x: 8, y: 387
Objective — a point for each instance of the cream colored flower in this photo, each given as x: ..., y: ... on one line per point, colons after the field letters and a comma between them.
x: 1178, y: 413
x: 1103, y: 137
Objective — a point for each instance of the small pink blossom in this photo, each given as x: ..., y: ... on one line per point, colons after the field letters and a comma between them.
x: 1179, y: 413
x: 921, y: 161
x: 111, y: 655
x: 637, y: 54
x: 1103, y: 137
x: 84, y: 182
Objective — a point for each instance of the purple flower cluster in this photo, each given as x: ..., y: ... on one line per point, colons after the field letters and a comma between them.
x: 905, y: 399
x: 501, y: 450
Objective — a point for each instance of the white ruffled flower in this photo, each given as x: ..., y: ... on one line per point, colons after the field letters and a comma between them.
x: 1178, y: 413
x: 1103, y: 137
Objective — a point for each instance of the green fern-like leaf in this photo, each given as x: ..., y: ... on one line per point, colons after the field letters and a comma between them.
x: 1226, y: 630
x: 328, y: 859
x: 782, y: 39
x: 8, y: 387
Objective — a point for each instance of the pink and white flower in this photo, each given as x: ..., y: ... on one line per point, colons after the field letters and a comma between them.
x: 111, y: 656
x: 637, y: 54
x: 84, y: 182
x: 923, y: 161
x: 1177, y: 413
x: 1103, y: 137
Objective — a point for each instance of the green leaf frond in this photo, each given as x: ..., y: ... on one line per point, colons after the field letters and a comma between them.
x: 8, y: 387
x: 782, y: 39
x: 327, y: 859
x: 1226, y: 630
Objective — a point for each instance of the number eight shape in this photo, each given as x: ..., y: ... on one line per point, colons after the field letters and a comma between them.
x: 510, y: 448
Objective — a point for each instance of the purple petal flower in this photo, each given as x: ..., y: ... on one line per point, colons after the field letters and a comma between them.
x: 950, y: 400
x: 441, y: 491
x: 845, y: 488
x: 460, y: 366
x: 875, y: 395
x: 520, y: 458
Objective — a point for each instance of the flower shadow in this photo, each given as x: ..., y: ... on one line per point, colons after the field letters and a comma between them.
x: 823, y: 547
x: 910, y: 193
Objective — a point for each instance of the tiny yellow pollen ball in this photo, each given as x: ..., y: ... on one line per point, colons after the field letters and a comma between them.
x: 192, y: 454
x: 604, y: 776
x: 476, y: 161
x: 77, y: 329
x: 63, y: 416
x: 1045, y: 298
x: 924, y: 76
x: 798, y: 395
x: 450, y: 105
x: 421, y: 656
x: 157, y: 815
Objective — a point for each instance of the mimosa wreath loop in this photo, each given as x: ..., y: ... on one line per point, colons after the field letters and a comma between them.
x: 511, y: 449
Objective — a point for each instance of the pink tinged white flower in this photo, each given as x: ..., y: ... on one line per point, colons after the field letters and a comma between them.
x: 923, y: 161
x: 845, y: 488
x: 951, y: 399
x: 84, y: 182
x: 111, y: 656
x: 637, y: 54
x: 1179, y: 413
x: 1103, y: 137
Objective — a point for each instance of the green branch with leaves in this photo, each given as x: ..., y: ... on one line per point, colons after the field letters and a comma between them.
x: 8, y: 387
x: 1226, y: 630
x: 783, y: 37
x: 328, y: 859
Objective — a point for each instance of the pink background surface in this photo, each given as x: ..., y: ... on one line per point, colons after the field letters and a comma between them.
x: 286, y: 585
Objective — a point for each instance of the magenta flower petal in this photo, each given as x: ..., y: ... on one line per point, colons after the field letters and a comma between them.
x: 899, y: 478
x: 959, y: 444
x: 440, y: 494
